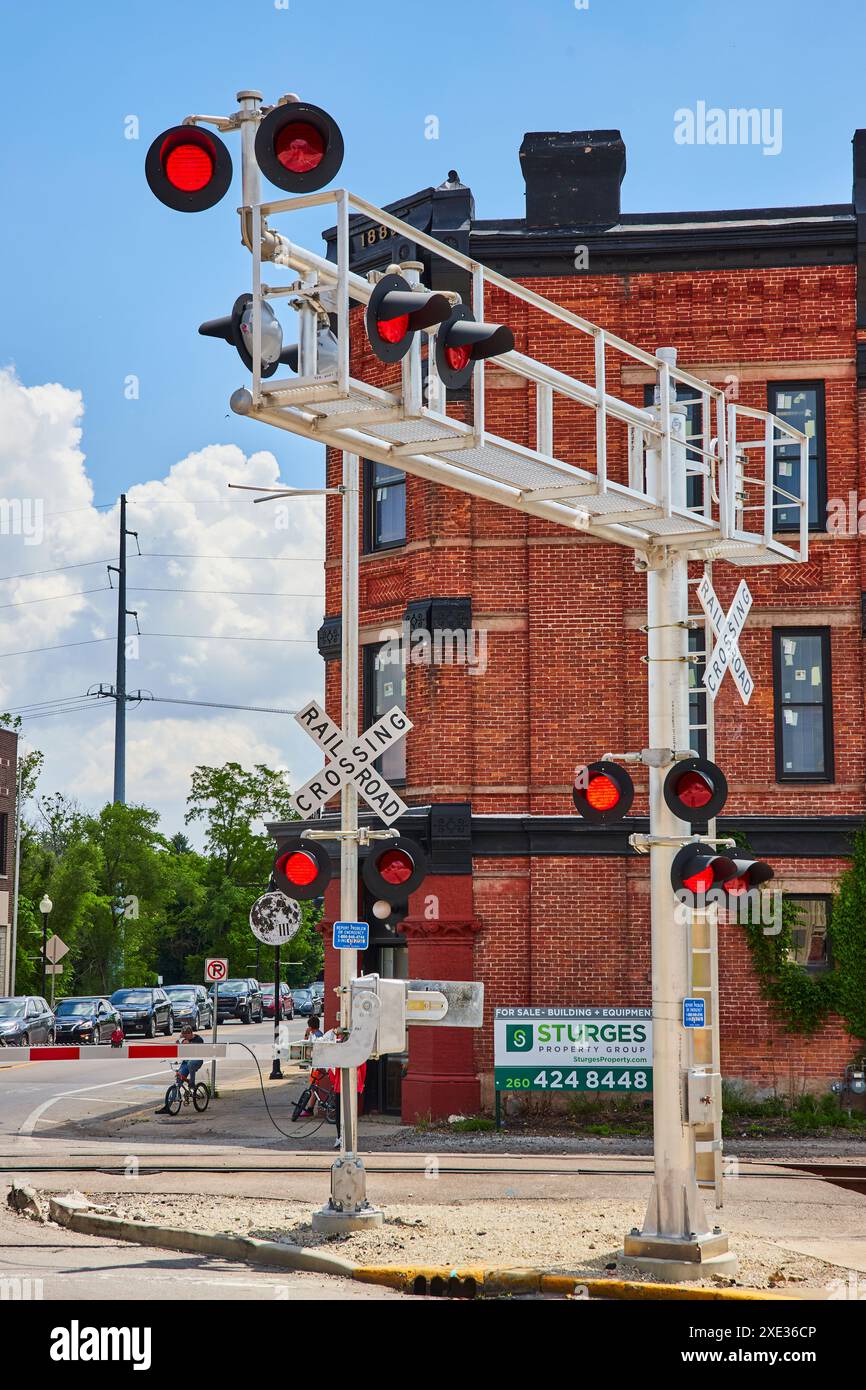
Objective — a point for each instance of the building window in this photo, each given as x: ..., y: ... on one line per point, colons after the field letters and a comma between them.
x: 801, y: 404
x: 694, y: 428
x: 697, y: 692
x: 385, y: 506
x: 4, y: 841
x: 803, y: 706
x: 385, y: 687
x: 810, y: 933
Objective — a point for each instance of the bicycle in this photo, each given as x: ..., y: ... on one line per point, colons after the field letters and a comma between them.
x: 316, y: 1091
x: 182, y: 1092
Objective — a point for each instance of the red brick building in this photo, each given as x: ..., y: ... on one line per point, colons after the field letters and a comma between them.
x: 544, y: 908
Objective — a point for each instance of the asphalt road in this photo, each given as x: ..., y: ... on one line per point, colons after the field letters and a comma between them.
x: 62, y: 1265
x: 38, y: 1096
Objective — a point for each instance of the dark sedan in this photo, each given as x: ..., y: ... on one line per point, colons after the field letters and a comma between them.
x: 25, y: 1019
x: 146, y: 1011
x: 305, y: 1002
x: 239, y: 999
x: 87, y: 1019
x: 190, y: 1004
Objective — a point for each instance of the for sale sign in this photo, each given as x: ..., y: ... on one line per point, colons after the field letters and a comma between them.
x: 573, y: 1049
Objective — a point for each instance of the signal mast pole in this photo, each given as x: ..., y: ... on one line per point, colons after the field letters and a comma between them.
x: 675, y: 1241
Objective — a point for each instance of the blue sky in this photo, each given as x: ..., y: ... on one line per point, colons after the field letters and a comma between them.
x: 101, y: 281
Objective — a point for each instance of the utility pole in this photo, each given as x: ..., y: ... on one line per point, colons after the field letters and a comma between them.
x: 119, y: 691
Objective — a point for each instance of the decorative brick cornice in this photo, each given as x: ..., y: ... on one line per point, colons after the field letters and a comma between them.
x: 330, y: 637
x: 442, y: 929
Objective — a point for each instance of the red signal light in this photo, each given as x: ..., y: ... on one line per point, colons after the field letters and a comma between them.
x: 396, y: 312
x: 701, y: 882
x: 461, y: 342
x: 602, y: 793
x: 395, y: 866
x: 736, y: 885
x: 302, y: 871
x: 299, y: 147
x: 393, y: 330
x: 392, y: 873
x: 695, y: 789
x: 457, y: 358
x: 299, y: 868
x: 188, y: 169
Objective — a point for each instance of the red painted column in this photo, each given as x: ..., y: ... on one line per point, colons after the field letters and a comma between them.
x: 442, y: 1077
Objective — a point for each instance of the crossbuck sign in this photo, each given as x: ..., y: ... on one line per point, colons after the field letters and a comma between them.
x: 726, y: 655
x: 351, y: 763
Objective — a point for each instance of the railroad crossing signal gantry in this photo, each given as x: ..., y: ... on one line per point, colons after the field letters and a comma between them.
x: 638, y: 500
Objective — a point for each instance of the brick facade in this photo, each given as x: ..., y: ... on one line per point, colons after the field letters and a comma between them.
x: 562, y: 613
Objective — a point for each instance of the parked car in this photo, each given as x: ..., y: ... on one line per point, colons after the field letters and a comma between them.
x: 87, y: 1018
x: 317, y: 988
x: 287, y: 1003
x: 145, y: 1010
x: 239, y: 999
x: 305, y: 1001
x: 25, y: 1019
x: 190, y: 1004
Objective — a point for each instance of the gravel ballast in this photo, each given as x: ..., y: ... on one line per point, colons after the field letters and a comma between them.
x: 579, y: 1239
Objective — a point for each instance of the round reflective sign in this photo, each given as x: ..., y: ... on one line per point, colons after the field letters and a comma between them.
x: 275, y: 919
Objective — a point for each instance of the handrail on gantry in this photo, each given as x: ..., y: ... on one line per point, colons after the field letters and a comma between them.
x: 398, y: 427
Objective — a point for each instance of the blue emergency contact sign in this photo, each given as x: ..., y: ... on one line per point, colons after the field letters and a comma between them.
x: 351, y: 936
x: 694, y: 1013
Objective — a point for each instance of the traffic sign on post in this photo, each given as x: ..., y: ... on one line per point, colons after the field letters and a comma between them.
x: 275, y: 918
x: 351, y: 763
x: 694, y: 1013
x: 216, y: 968
x: 726, y: 655
x: 55, y: 949
x: 351, y: 936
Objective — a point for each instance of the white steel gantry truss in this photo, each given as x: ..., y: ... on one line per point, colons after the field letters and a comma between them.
x: 628, y: 486
x: 735, y: 450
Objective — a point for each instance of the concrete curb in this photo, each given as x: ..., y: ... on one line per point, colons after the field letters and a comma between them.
x: 471, y: 1280
x: 468, y: 1282
x: 268, y: 1252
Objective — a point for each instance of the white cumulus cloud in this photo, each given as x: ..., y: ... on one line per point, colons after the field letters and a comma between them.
x: 215, y: 572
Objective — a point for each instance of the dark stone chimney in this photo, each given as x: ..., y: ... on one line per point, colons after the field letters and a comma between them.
x: 572, y: 177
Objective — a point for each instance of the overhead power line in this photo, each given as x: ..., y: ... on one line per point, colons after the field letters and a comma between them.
x: 33, y: 574
x: 59, y: 598
x: 230, y: 637
x: 243, y: 593
x: 269, y: 559
x: 61, y: 646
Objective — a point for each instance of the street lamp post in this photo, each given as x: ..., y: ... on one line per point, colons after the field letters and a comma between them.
x: 45, y: 907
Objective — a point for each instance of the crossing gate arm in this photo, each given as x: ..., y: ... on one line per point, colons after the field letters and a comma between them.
x: 139, y: 1052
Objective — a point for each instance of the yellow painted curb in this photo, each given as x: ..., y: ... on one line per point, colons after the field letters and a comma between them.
x: 469, y: 1280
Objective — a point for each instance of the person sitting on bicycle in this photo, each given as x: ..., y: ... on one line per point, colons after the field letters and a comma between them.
x: 313, y: 1031
x: 187, y: 1070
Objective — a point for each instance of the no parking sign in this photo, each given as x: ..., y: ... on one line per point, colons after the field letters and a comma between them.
x: 216, y: 968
